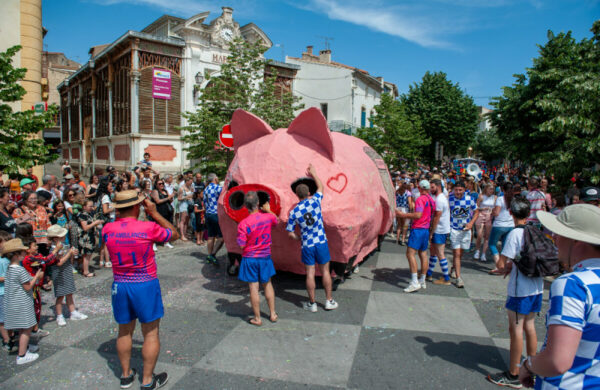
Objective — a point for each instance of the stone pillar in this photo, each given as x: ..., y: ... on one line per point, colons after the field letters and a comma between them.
x: 31, y: 39
x: 69, y: 116
x: 81, y: 143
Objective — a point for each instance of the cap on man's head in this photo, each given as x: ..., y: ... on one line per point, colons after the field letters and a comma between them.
x: 577, y: 222
x: 26, y: 181
x: 110, y: 168
x: 589, y: 194
x: 424, y: 184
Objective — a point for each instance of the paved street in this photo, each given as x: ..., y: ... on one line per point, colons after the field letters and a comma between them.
x: 379, y: 338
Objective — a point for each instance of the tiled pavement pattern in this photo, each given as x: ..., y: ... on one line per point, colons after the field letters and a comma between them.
x: 379, y: 338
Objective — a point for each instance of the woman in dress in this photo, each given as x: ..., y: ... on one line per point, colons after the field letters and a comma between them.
x: 106, y: 214
x: 404, y: 204
x: 184, y: 195
x: 483, y: 225
x: 7, y: 222
x: 92, y: 188
x: 35, y: 215
x: 163, y: 201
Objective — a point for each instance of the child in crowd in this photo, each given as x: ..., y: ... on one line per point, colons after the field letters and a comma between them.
x: 524, y: 298
x: 18, y: 307
x: 23, y: 230
x: 87, y: 238
x: 33, y: 262
x: 199, y: 214
x: 4, y: 263
x: 62, y: 275
x: 59, y: 216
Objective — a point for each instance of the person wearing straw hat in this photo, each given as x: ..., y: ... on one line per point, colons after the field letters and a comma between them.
x: 19, y: 313
x: 570, y: 357
x: 136, y: 291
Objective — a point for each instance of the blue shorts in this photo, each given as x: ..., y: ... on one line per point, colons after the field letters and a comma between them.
x: 439, y: 238
x: 212, y: 225
x: 418, y: 239
x: 318, y: 253
x: 256, y: 269
x: 525, y: 305
x: 141, y: 301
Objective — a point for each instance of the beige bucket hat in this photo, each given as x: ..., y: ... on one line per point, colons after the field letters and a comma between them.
x: 57, y: 231
x: 579, y: 222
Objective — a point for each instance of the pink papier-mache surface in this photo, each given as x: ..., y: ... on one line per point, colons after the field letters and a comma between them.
x: 358, y: 196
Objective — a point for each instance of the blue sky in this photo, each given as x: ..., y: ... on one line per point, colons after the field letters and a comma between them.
x: 479, y: 43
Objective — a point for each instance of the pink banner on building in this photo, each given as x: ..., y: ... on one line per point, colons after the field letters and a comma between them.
x: 161, y: 84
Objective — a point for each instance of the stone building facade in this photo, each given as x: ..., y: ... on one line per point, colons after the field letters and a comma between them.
x: 345, y: 94
x: 110, y: 111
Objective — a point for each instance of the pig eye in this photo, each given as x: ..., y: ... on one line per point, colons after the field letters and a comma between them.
x: 232, y: 184
x: 236, y: 200
x: 309, y: 181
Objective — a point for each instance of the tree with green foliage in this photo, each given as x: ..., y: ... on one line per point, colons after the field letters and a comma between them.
x: 241, y: 83
x: 551, y: 114
x: 394, y: 135
x: 20, y: 146
x: 447, y: 115
x: 490, y: 146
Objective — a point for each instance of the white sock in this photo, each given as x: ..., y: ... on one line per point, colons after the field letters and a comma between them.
x: 413, y: 278
x: 422, y: 279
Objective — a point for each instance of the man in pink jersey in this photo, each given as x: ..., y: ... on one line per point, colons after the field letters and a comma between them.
x: 418, y: 241
x: 254, y: 237
x: 136, y: 290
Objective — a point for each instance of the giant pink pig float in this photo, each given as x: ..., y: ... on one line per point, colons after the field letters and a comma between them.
x: 358, y: 194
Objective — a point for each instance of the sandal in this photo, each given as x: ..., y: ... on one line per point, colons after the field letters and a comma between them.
x: 89, y: 275
x: 108, y: 264
x: 495, y: 272
x: 252, y: 321
x: 274, y: 320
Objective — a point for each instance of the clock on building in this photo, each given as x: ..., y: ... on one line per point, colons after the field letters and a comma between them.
x: 227, y: 34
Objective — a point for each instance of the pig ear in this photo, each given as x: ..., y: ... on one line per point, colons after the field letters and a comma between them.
x: 312, y: 124
x: 247, y: 127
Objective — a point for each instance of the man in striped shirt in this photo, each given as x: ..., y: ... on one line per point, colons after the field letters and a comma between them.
x: 537, y: 199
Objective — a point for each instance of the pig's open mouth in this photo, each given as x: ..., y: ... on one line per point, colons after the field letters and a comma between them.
x: 309, y: 181
x: 234, y: 200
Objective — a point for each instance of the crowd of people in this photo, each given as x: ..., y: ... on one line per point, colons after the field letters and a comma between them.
x: 532, y: 232
x: 50, y: 231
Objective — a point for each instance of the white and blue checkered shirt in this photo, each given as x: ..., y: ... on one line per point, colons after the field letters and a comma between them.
x: 575, y: 302
x: 461, y: 210
x: 211, y: 197
x: 307, y: 214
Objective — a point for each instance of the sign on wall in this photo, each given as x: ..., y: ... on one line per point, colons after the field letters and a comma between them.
x: 161, y: 84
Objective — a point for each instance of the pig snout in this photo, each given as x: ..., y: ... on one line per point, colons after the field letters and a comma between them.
x: 233, y: 201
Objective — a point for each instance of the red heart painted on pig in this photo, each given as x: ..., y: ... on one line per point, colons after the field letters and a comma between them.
x: 338, y: 183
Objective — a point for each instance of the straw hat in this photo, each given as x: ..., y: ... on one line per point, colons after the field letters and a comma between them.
x: 579, y: 222
x: 57, y: 231
x: 13, y: 245
x: 127, y: 199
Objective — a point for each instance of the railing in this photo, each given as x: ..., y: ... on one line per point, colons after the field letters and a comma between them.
x: 342, y: 127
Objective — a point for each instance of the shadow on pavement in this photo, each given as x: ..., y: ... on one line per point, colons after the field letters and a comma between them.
x: 395, y: 276
x: 465, y: 354
x: 108, y: 350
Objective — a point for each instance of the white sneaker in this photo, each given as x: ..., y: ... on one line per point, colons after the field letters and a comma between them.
x: 356, y: 270
x: 75, y: 315
x: 476, y: 255
x: 28, y: 358
x: 168, y: 245
x: 154, y: 248
x: 33, y: 348
x: 423, y: 285
x: 413, y: 287
x: 459, y: 283
x: 60, y: 320
x: 483, y: 257
x: 330, y: 305
x: 312, y: 307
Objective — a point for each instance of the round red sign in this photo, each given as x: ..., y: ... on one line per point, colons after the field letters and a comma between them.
x: 225, y: 137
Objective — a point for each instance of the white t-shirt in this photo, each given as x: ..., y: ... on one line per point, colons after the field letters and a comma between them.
x: 106, y: 199
x: 525, y: 286
x: 441, y: 204
x: 504, y: 219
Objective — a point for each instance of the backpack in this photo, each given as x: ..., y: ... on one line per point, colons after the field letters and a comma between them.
x: 539, y: 256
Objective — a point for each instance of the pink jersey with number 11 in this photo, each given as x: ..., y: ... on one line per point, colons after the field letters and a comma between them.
x: 254, y: 234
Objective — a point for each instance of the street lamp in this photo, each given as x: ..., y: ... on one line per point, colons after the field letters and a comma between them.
x: 199, y: 78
